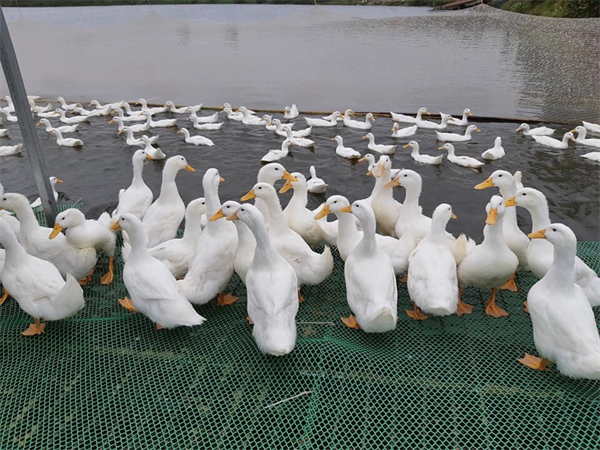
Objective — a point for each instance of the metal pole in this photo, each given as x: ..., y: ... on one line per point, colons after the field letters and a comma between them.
x: 12, y: 73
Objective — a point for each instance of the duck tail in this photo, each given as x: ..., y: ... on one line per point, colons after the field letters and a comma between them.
x: 69, y: 300
x: 591, y: 288
x: 461, y: 247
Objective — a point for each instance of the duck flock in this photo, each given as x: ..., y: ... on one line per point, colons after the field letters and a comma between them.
x: 272, y: 248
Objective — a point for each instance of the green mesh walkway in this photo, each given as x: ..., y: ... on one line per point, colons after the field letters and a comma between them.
x: 108, y: 379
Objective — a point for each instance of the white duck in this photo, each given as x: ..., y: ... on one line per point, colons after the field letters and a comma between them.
x: 163, y: 217
x: 213, y: 118
x: 47, y: 114
x: 136, y: 117
x: 423, y: 159
x: 291, y: 112
x: 299, y: 141
x: 67, y: 107
x: 539, y: 131
x: 539, y: 252
x: 277, y: 126
x: 11, y: 106
x: 298, y: 218
x: 9, y: 219
x: 10, y: 150
x: 370, y: 279
x: 371, y: 161
x: 136, y: 128
x: 137, y: 198
x: 315, y: 184
x: 344, y: 152
x: 453, y: 137
x: 207, y: 126
x: 114, y: 105
x: 66, y: 258
x: 399, y: 133
x: 272, y: 287
x: 92, y: 113
x: 85, y: 234
x: 70, y: 120
x: 63, y: 129
x: 151, y: 111
x: 246, y: 241
x: 592, y: 156
x: 338, y: 117
x: 490, y: 264
x: 250, y: 119
x: 297, y: 134
x: 131, y: 139
x: 385, y: 207
x: 464, y: 121
x: 357, y: 124
x: 379, y: 148
x: 496, y: 152
x: 517, y: 241
x: 152, y: 152
x: 228, y: 106
x: 409, y: 119
x: 564, y: 326
x: 195, y: 140
x: 555, y: 143
x: 411, y: 223
x: 153, y: 290
x: 591, y: 127
x: 312, y: 268
x: 428, y: 124
x: 269, y: 122
x: 130, y: 111
x: 165, y: 123
x: 14, y: 119
x: 37, y: 285
x: 331, y: 122
x: 581, y: 137
x: 39, y: 109
x: 270, y: 173
x: 173, y: 109
x: 349, y: 235
x: 195, y: 108
x: 465, y: 161
x: 53, y: 180
x: 212, y: 267
x: 66, y: 142
x: 432, y: 278
x: 177, y: 254
x: 231, y: 115
x: 275, y: 155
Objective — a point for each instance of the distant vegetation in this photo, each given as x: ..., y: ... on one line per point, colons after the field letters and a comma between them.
x: 551, y: 8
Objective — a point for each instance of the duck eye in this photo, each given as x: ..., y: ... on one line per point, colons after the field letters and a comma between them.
x: 276, y: 168
x: 335, y: 201
x: 553, y: 229
x: 500, y: 175
x: 260, y: 187
x: 524, y: 193
x: 405, y: 175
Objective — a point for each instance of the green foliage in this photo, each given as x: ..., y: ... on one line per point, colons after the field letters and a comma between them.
x: 552, y: 8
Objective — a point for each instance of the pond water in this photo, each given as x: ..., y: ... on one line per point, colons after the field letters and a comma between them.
x: 323, y: 58
x: 326, y: 58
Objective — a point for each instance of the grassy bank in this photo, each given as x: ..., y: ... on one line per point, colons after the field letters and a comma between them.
x: 551, y: 8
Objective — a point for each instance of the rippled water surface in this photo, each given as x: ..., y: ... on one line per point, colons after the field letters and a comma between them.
x: 326, y: 58
x: 323, y: 58
x: 103, y: 166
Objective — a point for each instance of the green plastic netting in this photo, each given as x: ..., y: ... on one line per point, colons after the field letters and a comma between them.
x: 108, y: 379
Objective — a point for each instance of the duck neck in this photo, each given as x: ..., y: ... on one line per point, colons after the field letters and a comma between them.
x: 371, y: 139
x: 192, y: 230
x: 138, y: 169
x: 15, y: 253
x: 213, y: 203
x: 468, y: 132
x: 540, y: 218
x: 186, y: 133
x: 347, y: 226
x: 562, y: 271
x: 411, y: 200
x: 510, y: 216
x: 493, y: 234
x: 137, y: 239
x: 368, y: 242
x: 464, y: 116
x: 244, y: 234
x: 379, y: 190
x: 300, y: 197
x: 277, y: 220
x: 168, y: 188
x: 28, y: 222
x: 438, y: 230
x: 264, y: 253
x: 419, y: 115
x: 415, y: 150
